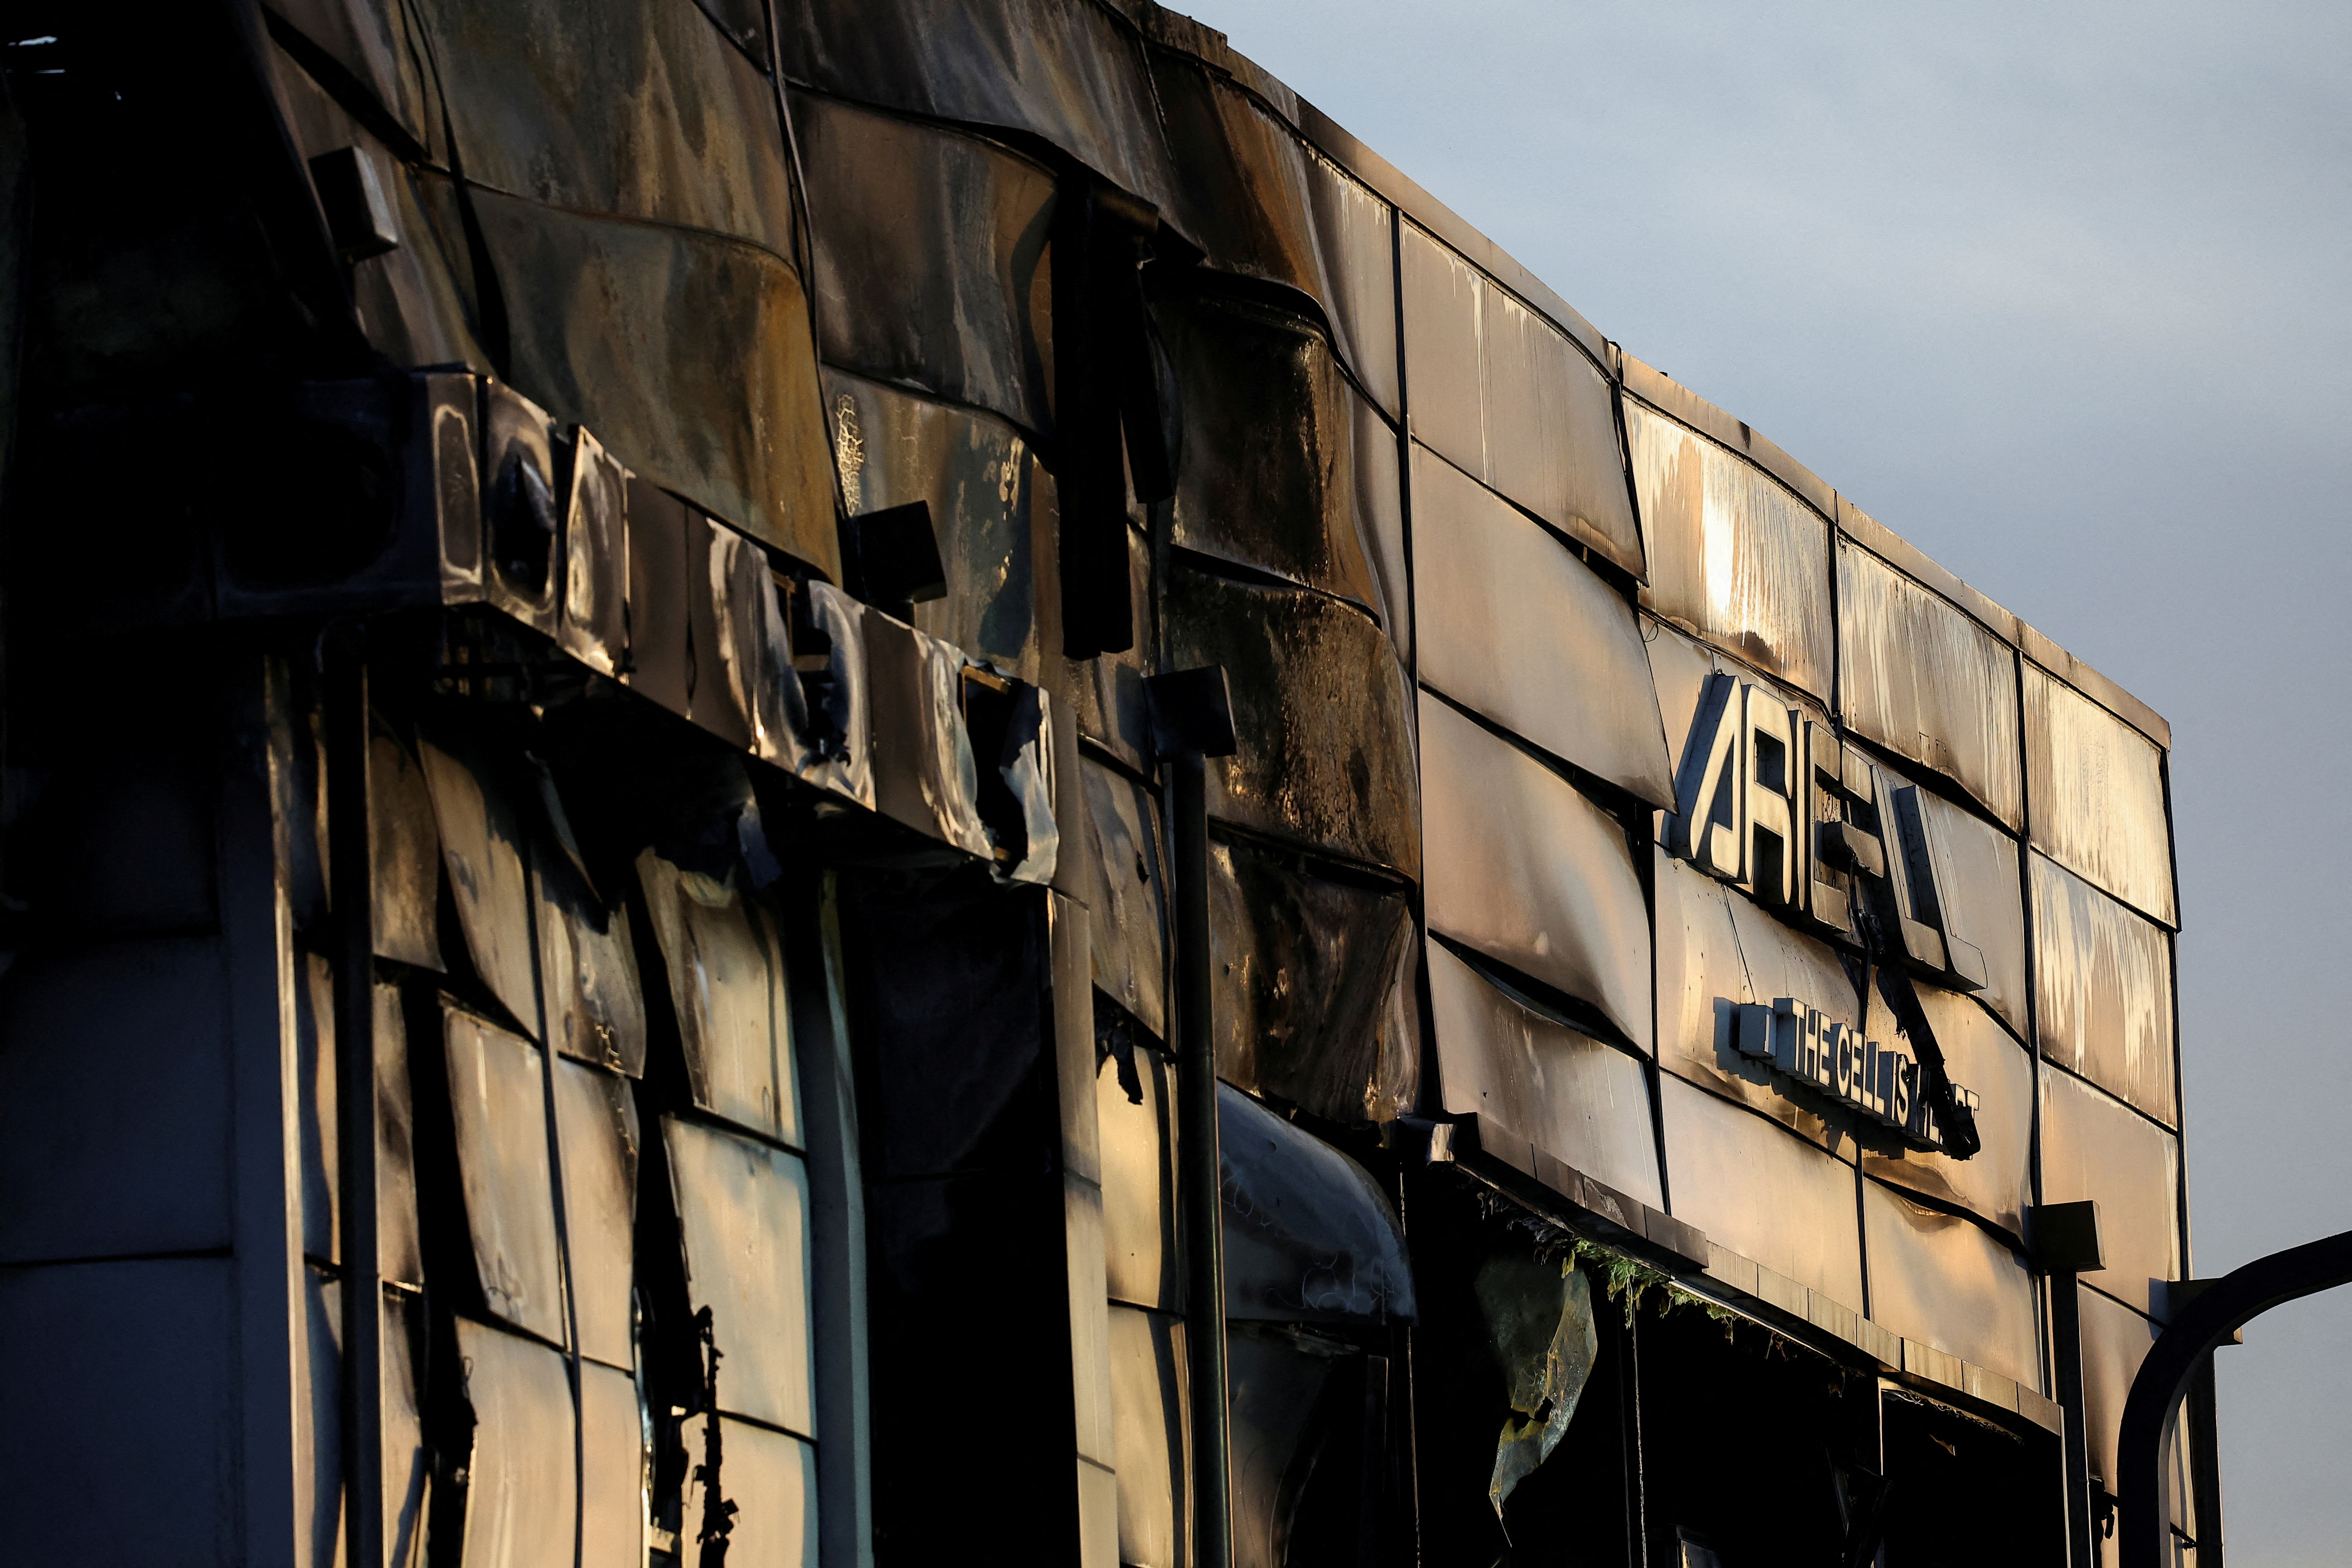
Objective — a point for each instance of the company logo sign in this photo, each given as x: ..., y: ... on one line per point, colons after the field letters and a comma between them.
x: 1802, y: 1046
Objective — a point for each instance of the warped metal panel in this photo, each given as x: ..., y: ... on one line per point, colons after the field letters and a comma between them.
x: 2095, y: 1146
x: 1735, y: 557
x: 1512, y: 625
x: 1312, y: 1000
x: 1717, y: 951
x: 1380, y: 517
x: 483, y: 844
x: 2096, y: 792
x: 725, y: 960
x: 1506, y: 397
x: 612, y: 1469
x: 1308, y: 1236
x: 1761, y: 1191
x: 1937, y: 1279
x: 1527, y: 871
x: 742, y: 1209
x: 1320, y: 702
x: 639, y: 111
x: 1263, y: 203
x: 1138, y: 1181
x: 498, y: 1098
x: 1282, y: 506
x: 403, y: 853
x: 596, y: 1136
x: 1147, y: 1390
x: 1920, y: 678
x: 1997, y: 1182
x: 1128, y: 932
x: 689, y: 354
x: 1984, y: 904
x: 2116, y: 1340
x: 924, y: 772
x: 590, y: 990
x: 1064, y: 70
x: 932, y: 270
x: 1584, y: 1103
x: 521, y: 1479
x: 770, y: 1480
x: 2103, y: 990
x: 991, y: 506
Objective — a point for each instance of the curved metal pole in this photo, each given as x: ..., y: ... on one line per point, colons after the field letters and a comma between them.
x: 2218, y: 1311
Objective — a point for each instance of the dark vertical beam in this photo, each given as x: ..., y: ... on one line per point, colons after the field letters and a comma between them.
x: 1199, y: 1175
x: 350, y: 882
x: 2066, y: 1361
x: 2205, y: 1463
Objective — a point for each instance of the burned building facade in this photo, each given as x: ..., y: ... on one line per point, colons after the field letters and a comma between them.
x: 805, y: 783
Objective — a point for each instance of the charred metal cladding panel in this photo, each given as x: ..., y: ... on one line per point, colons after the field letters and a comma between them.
x: 915, y: 783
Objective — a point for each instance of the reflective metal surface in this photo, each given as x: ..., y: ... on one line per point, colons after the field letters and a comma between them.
x: 1527, y: 871
x: 1318, y: 693
x: 405, y: 853
x: 482, y: 844
x: 1936, y: 1278
x: 521, y: 1483
x: 720, y: 951
x: 924, y: 772
x: 932, y: 269
x: 1141, y: 1261
x: 742, y: 1209
x: 1312, y: 1001
x: 1996, y: 1182
x: 1917, y: 676
x: 2116, y: 1340
x: 2094, y: 1146
x: 2103, y: 984
x: 1129, y: 898
x: 1512, y: 625
x: 1762, y: 1192
x: 497, y: 1097
x: 1976, y: 870
x: 1584, y: 1103
x: 1734, y: 557
x: 1146, y: 1384
x: 612, y: 1470
x: 596, y: 1138
x: 770, y: 1480
x: 590, y: 992
x: 1506, y: 397
x: 1308, y: 1237
x: 2097, y: 796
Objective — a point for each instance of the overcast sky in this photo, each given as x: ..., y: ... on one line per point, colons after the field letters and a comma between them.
x: 2059, y: 293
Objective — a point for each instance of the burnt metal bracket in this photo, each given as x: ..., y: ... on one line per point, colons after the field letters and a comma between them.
x: 2218, y: 1311
x: 1192, y: 721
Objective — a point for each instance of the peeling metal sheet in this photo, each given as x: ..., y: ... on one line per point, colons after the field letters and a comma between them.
x: 590, y: 990
x: 1138, y: 1181
x: 1308, y: 1237
x: 1263, y: 203
x: 924, y: 772
x: 1996, y: 1183
x: 403, y: 853
x: 1717, y: 951
x: 1584, y: 1103
x: 613, y: 1469
x: 750, y: 682
x: 1939, y: 1279
x: 932, y: 262
x: 1068, y: 72
x: 497, y: 1097
x: 1313, y: 999
x: 1762, y: 1192
x: 1512, y: 625
x: 482, y: 845
x: 1983, y: 904
x: 771, y: 1478
x: 661, y: 640
x: 1129, y: 898
x: 642, y: 112
x: 1920, y: 678
x: 1276, y: 1382
x: 1539, y: 1319
x: 742, y: 1209
x: 2094, y: 1146
x: 1285, y: 506
x: 688, y: 355
x: 2103, y: 987
x: 1152, y: 1436
x: 1503, y: 395
x: 992, y: 504
x: 1321, y: 702
x: 1735, y: 557
x: 2096, y: 792
x: 725, y: 960
x: 522, y: 512
x: 1527, y: 871
x: 522, y: 1480
x: 596, y: 1135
